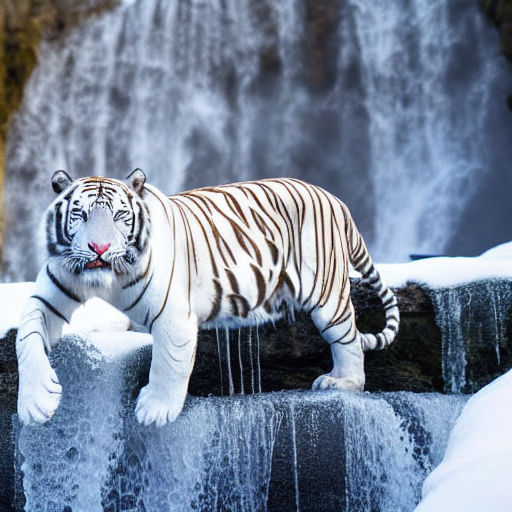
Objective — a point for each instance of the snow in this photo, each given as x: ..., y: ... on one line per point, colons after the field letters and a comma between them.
x: 499, y: 252
x: 106, y: 328
x: 100, y: 323
x: 96, y: 316
x: 475, y: 473
x: 445, y: 272
x: 118, y: 344
x: 13, y: 297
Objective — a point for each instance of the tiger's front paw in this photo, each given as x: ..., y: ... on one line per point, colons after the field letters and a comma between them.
x: 154, y: 407
x: 38, y: 397
x: 342, y: 383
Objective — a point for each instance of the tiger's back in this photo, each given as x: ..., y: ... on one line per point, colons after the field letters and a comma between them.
x: 262, y: 246
x: 269, y: 245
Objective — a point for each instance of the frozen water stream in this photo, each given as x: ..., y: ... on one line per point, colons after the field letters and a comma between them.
x: 271, y: 451
x: 473, y: 322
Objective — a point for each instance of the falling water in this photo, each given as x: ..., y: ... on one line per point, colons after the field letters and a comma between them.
x: 251, y: 358
x: 242, y: 389
x: 448, y: 305
x: 258, y: 357
x: 303, y: 451
x: 473, y: 321
x: 228, y: 360
x: 294, y: 452
x: 397, y: 107
x: 219, y: 353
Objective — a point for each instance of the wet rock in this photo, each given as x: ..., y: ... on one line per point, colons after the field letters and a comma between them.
x: 292, y: 355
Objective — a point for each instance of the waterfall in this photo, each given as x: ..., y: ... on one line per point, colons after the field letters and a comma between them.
x: 303, y: 451
x: 396, y: 107
x: 473, y: 322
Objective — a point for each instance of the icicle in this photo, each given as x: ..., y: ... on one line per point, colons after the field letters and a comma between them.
x: 228, y: 357
x: 258, y: 357
x: 448, y: 305
x: 252, y: 362
x: 240, y: 362
x: 220, y: 362
x: 494, y: 294
x: 295, y: 463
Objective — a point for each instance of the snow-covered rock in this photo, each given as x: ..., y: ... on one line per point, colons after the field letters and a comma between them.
x: 445, y: 272
x: 95, y: 315
x: 474, y: 475
x: 13, y: 297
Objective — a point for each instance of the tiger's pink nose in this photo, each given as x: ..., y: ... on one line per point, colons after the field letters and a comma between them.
x: 99, y: 249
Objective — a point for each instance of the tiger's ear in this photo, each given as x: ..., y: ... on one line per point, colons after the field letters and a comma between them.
x: 136, y: 180
x: 60, y: 181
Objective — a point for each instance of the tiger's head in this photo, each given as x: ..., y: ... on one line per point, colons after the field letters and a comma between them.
x: 98, y: 227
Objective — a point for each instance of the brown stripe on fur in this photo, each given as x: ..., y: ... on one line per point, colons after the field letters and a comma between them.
x: 217, y: 301
x: 260, y: 282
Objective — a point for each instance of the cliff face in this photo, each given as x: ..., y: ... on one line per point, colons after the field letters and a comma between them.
x: 23, y: 23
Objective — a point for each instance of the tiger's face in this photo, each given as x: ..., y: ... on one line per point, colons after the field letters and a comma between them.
x: 98, y: 227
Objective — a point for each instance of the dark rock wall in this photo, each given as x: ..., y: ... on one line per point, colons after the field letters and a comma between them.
x: 8, y: 395
x: 500, y: 12
x: 292, y: 355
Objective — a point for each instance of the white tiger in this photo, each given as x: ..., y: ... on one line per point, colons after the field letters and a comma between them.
x: 230, y: 255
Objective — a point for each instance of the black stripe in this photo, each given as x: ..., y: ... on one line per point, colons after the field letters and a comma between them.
x: 341, y: 342
x: 388, y: 301
x: 216, y: 302
x: 260, y: 282
x: 33, y: 332
x: 140, y: 276
x: 374, y: 280
x: 393, y: 328
x: 284, y: 279
x: 61, y: 287
x: 141, y: 227
x: 140, y: 296
x: 274, y: 251
x: 232, y: 281
x: 50, y: 307
x: 173, y: 259
x: 234, y: 306
x: 58, y: 225
x: 242, y: 303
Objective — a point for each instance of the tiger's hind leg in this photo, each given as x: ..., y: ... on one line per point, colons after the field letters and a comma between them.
x: 346, y: 349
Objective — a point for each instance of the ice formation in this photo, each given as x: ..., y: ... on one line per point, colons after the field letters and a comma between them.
x: 475, y: 472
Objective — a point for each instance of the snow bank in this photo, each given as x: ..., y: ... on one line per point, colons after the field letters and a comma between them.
x: 12, y: 301
x: 445, y: 272
x: 105, y: 327
x: 97, y: 316
x: 97, y: 321
x: 475, y: 473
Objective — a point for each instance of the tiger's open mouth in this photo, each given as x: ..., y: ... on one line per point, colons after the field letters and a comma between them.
x: 98, y: 263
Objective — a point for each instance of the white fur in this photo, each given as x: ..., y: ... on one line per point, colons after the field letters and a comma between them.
x: 179, y: 293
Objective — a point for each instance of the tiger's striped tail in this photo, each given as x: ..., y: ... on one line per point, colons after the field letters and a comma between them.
x: 362, y: 262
